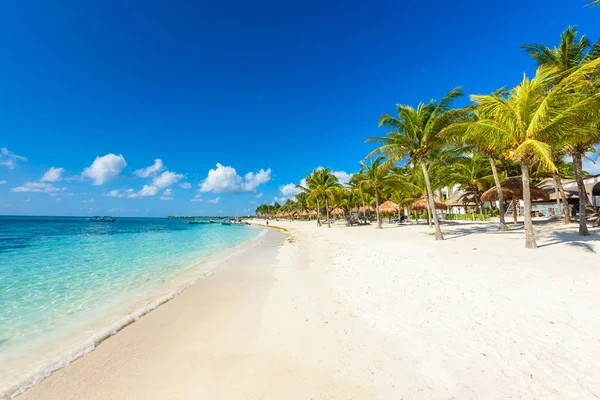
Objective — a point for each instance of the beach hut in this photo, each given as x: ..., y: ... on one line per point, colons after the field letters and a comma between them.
x: 548, y: 186
x: 423, y: 204
x: 389, y: 208
x: 337, y: 212
x: 512, y: 189
x: 460, y: 200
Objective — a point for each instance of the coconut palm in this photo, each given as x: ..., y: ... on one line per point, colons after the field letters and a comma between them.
x: 416, y: 135
x: 374, y: 176
x: 484, y: 144
x: 473, y: 174
x: 356, y: 187
x: 535, y: 115
x: 321, y: 184
x: 566, y: 58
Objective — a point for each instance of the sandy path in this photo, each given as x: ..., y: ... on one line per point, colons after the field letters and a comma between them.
x: 359, y: 313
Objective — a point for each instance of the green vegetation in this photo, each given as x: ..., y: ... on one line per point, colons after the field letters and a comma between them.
x: 542, y: 128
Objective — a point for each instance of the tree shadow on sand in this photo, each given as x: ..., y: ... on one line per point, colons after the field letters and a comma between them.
x: 572, y: 239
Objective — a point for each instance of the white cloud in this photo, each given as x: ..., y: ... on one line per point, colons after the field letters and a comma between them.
x: 167, y: 195
x: 166, y: 179
x: 343, y: 177
x: 2, y: 182
x: 289, y: 190
x: 52, y: 175
x: 186, y: 185
x: 9, y: 159
x: 120, y: 193
x: 37, y: 187
x: 258, y: 196
x: 151, y: 170
x: 158, y: 183
x: 146, y: 191
x: 224, y: 179
x: 88, y: 201
x: 59, y: 199
x: 105, y: 168
x: 198, y: 199
x: 253, y: 180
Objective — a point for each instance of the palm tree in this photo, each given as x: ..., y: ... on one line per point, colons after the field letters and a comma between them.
x: 416, y: 134
x: 484, y: 144
x: 473, y: 174
x: 357, y: 188
x: 566, y: 58
x: 533, y: 116
x: 374, y: 176
x: 321, y: 184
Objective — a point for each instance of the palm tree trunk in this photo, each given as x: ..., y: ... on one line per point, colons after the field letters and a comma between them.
x: 514, y: 207
x: 362, y: 197
x: 561, y: 191
x: 529, y: 233
x: 438, y: 230
x: 583, y: 200
x: 503, y: 226
x: 318, y: 213
x: 327, y: 210
x: 377, y: 208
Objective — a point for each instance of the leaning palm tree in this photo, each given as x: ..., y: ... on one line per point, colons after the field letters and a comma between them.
x: 566, y: 58
x: 321, y: 184
x: 374, y: 177
x: 416, y: 135
x: 484, y: 144
x: 535, y: 115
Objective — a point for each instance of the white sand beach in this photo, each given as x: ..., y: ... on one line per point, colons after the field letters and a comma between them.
x: 361, y: 313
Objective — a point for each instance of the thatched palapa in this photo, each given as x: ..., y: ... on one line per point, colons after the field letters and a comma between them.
x: 422, y: 204
x: 462, y: 198
x: 389, y: 207
x: 512, y: 189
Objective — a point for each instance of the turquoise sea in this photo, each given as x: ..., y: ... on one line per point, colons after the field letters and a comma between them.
x: 67, y: 283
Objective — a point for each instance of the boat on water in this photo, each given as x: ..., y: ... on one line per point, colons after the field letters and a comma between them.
x: 102, y: 219
x: 198, y: 222
x: 225, y: 222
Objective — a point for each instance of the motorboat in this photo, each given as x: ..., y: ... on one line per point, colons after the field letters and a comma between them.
x: 102, y: 219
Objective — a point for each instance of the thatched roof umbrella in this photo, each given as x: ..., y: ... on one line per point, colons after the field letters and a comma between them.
x: 389, y: 207
x: 547, y: 185
x: 367, y: 208
x: 512, y: 189
x: 423, y: 204
x: 312, y: 213
x: 337, y: 211
x: 463, y: 198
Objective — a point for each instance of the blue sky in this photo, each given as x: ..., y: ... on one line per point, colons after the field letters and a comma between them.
x: 94, y: 92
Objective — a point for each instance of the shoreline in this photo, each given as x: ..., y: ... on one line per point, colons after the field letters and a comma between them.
x: 362, y: 313
x: 160, y: 294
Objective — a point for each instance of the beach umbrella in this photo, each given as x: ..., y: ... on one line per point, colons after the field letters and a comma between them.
x: 312, y: 213
x: 422, y: 204
x: 512, y: 189
x: 367, y: 208
x: 337, y: 211
x: 462, y: 198
x: 389, y: 207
